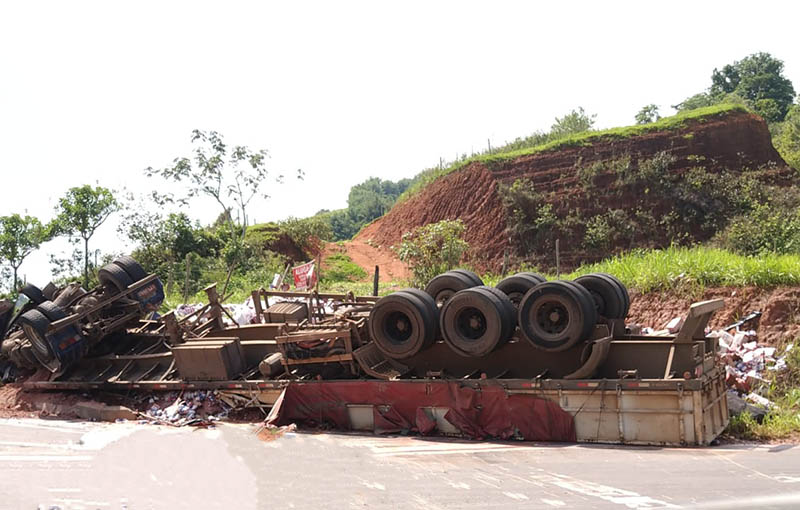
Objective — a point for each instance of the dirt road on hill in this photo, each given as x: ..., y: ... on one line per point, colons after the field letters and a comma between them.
x: 367, y: 257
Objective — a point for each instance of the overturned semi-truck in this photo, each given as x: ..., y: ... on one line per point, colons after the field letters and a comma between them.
x: 527, y: 359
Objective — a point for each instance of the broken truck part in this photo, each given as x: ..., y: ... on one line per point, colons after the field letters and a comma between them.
x: 530, y: 360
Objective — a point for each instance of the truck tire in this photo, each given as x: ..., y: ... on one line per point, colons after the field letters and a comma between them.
x: 624, y: 291
x: 554, y: 316
x: 130, y: 266
x: 33, y: 293
x: 430, y: 306
x: 516, y: 286
x: 35, y: 325
x: 606, y: 294
x: 473, y: 322
x: 469, y: 274
x: 400, y: 325
x: 443, y: 287
x: 52, y: 311
x: 114, y: 278
x: 535, y: 276
x: 508, y: 309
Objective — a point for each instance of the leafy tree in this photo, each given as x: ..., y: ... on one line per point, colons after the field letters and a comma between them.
x: 432, y: 249
x: 81, y: 212
x: 576, y: 121
x: 759, y: 79
x: 648, y: 114
x: 19, y: 237
x: 787, y: 137
x: 696, y: 101
x: 231, y: 176
x: 342, y: 225
x: 307, y: 233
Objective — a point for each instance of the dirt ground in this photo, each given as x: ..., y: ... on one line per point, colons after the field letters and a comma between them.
x: 368, y: 256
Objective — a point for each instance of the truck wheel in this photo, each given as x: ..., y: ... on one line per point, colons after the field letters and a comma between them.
x: 442, y: 287
x: 518, y: 285
x: 507, y: 308
x: 469, y: 274
x: 33, y: 293
x: 400, y: 325
x: 114, y: 278
x: 554, y: 316
x: 623, y: 290
x: 52, y: 311
x: 535, y: 276
x: 35, y: 324
x: 133, y: 268
x: 607, y: 296
x: 472, y: 322
x: 430, y: 307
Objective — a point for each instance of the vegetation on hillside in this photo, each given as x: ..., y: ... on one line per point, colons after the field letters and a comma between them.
x: 698, y: 266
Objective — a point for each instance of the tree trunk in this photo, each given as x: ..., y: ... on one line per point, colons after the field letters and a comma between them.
x: 86, y: 263
x: 15, y: 280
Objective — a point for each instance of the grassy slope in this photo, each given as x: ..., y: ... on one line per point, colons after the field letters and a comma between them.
x: 697, y: 266
x: 676, y: 122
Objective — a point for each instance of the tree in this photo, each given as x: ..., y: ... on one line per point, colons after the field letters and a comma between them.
x: 81, y: 212
x: 231, y: 176
x: 694, y: 102
x: 787, y: 137
x: 759, y: 79
x: 648, y: 114
x: 19, y: 237
x: 576, y: 121
x: 432, y: 249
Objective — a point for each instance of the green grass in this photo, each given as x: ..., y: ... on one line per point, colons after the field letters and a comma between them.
x: 499, y: 155
x: 700, y: 266
x: 339, y: 267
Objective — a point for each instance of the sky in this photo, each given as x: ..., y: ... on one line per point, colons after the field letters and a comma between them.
x: 94, y: 92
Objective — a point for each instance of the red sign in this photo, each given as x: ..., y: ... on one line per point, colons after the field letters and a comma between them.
x: 305, y: 277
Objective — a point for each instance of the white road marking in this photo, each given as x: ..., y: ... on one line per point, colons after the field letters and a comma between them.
x: 24, y: 444
x: 787, y: 478
x: 553, y: 502
x: 516, y: 495
x: 45, y: 458
x: 373, y: 485
x: 790, y: 500
x: 755, y: 471
x: 488, y: 480
x: 624, y: 497
x: 35, y: 423
x: 458, y: 485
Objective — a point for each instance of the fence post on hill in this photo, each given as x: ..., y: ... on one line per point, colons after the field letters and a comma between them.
x: 558, y: 261
x: 375, y: 282
x: 186, y: 277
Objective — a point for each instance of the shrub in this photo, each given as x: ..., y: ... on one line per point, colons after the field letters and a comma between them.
x: 432, y: 249
x: 341, y: 268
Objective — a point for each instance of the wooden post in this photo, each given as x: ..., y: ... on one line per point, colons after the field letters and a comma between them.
x: 174, y: 332
x: 558, y: 261
x: 318, y: 270
x: 216, y: 307
x: 375, y: 280
x: 186, y: 278
x: 171, y: 276
x: 256, y: 295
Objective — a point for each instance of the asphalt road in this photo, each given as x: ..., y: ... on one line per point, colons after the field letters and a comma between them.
x: 80, y: 465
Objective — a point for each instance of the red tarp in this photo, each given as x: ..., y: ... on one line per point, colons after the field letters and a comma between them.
x: 485, y: 413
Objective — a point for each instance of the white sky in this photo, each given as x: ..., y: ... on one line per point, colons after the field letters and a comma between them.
x: 93, y: 92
